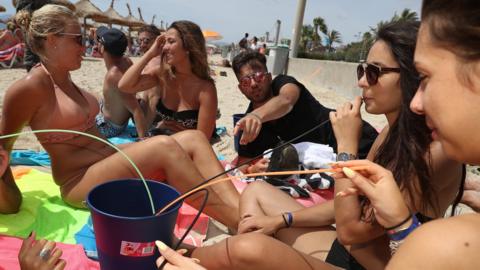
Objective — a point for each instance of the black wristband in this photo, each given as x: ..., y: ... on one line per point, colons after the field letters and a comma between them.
x: 400, y: 224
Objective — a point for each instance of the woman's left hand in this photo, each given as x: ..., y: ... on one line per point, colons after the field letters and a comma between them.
x: 347, y: 125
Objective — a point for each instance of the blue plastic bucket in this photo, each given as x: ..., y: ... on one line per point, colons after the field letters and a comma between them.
x: 125, y: 229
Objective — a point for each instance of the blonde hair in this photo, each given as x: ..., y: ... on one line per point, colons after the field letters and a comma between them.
x: 49, y: 19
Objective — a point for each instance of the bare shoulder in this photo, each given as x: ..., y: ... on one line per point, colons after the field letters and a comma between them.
x: 207, y: 90
x: 451, y: 243
x: 33, y: 88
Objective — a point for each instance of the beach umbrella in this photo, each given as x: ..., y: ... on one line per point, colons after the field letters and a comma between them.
x: 211, y: 35
x: 85, y: 9
x: 14, y: 3
x: 113, y: 16
x: 132, y: 21
x: 2, y: 9
x: 64, y: 3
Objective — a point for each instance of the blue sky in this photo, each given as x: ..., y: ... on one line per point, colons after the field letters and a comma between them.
x: 232, y: 18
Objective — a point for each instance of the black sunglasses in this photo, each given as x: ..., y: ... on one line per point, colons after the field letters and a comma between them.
x: 78, y: 37
x: 373, y: 72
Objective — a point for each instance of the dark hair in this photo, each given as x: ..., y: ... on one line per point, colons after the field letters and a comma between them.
x: 455, y: 26
x: 250, y: 57
x: 152, y: 29
x: 405, y: 150
x: 194, y: 43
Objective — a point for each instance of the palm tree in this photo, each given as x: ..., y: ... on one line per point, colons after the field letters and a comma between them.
x: 307, y: 35
x: 318, y: 24
x: 406, y: 15
x: 333, y: 36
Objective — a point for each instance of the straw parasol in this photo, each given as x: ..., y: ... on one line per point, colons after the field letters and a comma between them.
x: 132, y: 21
x: 64, y: 3
x: 85, y: 9
x: 113, y: 16
x: 211, y: 35
x: 140, y: 14
x: 2, y: 9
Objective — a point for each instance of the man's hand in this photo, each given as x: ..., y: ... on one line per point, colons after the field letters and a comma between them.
x: 251, y: 125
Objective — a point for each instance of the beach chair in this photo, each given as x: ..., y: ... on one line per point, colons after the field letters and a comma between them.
x: 12, y: 56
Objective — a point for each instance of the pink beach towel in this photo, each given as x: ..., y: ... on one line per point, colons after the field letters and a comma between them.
x: 73, y: 254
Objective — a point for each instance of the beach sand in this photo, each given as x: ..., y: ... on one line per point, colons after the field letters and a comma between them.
x: 230, y: 99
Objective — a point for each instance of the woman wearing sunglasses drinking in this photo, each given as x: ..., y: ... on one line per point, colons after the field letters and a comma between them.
x: 429, y: 181
x: 188, y: 97
x: 47, y: 98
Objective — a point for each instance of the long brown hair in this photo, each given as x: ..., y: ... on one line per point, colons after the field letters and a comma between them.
x: 406, y: 148
x: 194, y: 43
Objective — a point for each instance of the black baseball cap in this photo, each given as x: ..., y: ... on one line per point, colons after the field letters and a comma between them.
x: 113, y: 40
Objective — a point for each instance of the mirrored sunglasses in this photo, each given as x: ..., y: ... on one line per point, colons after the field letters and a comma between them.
x: 257, y: 77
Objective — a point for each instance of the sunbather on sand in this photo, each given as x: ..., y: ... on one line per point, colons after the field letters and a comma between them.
x: 47, y: 98
x: 188, y: 97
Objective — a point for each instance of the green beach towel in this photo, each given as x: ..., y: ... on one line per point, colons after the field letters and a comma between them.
x: 42, y: 210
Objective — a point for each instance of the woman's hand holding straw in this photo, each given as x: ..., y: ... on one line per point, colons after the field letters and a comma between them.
x: 378, y: 184
x: 213, y: 182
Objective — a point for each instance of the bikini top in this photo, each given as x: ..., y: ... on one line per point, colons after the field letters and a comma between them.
x: 187, y: 119
x: 67, y: 114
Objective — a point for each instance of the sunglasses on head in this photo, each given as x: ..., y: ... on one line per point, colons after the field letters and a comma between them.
x: 373, y: 72
x: 78, y: 37
x: 257, y: 77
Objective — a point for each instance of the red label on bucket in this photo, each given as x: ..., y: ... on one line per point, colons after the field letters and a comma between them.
x: 137, y: 249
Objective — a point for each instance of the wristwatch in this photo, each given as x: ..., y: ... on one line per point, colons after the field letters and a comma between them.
x: 342, y: 156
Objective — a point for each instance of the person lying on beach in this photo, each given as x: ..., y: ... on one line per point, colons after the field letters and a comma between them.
x: 280, y: 108
x: 387, y: 93
x: 188, y: 97
x: 47, y: 98
x: 117, y: 107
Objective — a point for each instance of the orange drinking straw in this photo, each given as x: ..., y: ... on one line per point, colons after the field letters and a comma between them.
x: 213, y: 182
